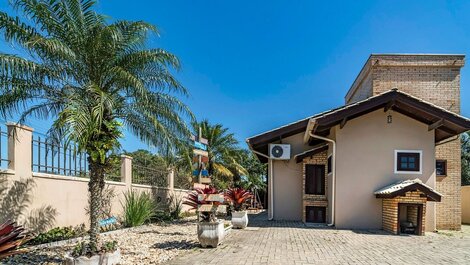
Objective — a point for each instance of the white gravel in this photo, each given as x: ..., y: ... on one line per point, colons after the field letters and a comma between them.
x: 149, y: 244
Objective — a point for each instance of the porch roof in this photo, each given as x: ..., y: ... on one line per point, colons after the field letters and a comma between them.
x: 402, y: 187
x: 318, y: 149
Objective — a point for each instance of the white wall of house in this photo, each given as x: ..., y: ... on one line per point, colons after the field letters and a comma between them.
x: 287, y: 194
x: 365, y: 162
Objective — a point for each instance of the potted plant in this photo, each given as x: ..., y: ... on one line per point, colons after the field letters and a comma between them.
x: 239, y: 199
x: 210, y: 230
x: 106, y: 254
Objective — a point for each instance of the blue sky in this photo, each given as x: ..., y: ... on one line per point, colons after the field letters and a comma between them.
x: 241, y: 59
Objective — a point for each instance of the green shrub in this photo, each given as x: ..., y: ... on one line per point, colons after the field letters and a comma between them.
x: 83, y: 248
x: 56, y: 234
x: 162, y: 216
x: 175, y: 206
x: 139, y: 208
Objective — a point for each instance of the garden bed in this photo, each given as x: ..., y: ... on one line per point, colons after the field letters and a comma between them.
x: 148, y: 244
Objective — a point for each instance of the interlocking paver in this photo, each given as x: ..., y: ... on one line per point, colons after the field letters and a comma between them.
x: 284, y: 242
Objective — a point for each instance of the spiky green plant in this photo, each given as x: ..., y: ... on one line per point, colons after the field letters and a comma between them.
x: 91, y: 76
x: 139, y: 208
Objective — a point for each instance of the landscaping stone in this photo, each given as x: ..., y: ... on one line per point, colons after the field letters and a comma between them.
x: 149, y: 244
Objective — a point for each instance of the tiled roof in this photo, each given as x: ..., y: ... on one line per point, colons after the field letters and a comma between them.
x: 401, y: 185
x: 447, y: 124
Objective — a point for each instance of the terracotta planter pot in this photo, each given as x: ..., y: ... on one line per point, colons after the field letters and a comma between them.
x: 210, y: 234
x: 240, y: 219
x: 102, y: 259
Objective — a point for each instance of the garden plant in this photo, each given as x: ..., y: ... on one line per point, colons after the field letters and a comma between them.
x: 93, y: 77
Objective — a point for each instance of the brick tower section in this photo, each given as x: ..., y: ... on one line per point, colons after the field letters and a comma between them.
x: 433, y: 78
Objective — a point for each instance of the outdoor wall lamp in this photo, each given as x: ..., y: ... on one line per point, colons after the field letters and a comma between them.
x: 389, y: 118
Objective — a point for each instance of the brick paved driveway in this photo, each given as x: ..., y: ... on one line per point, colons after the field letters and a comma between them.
x: 271, y: 242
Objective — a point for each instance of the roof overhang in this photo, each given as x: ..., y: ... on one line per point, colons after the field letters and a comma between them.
x: 445, y: 124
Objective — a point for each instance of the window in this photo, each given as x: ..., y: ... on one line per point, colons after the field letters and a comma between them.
x: 408, y: 161
x: 328, y: 170
x: 441, y: 167
x: 315, y: 179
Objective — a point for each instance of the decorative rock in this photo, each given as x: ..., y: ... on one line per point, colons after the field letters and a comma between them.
x: 149, y: 244
x: 103, y: 259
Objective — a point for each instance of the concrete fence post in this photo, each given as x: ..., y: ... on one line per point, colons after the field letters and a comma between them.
x: 20, y: 149
x: 171, y: 179
x: 126, y: 170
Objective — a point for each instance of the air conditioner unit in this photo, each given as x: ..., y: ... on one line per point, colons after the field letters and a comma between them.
x: 279, y: 151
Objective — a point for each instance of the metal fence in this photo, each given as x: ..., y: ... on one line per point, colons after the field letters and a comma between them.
x: 149, y: 176
x: 60, y: 159
x: 183, y: 180
x: 3, y: 147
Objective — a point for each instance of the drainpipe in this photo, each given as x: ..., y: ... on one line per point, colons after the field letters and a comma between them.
x: 333, y: 170
x: 270, y: 180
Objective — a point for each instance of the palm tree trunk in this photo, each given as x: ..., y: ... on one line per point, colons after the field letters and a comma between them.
x: 95, y: 187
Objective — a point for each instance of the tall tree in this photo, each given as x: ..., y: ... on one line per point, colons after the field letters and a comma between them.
x: 93, y: 77
x: 465, y: 158
x: 224, y: 153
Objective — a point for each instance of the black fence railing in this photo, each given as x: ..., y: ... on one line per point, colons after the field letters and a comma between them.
x: 59, y: 159
x: 3, y: 147
x: 149, y: 176
x: 183, y: 180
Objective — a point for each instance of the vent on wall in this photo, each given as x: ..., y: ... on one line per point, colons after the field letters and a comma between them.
x: 279, y: 151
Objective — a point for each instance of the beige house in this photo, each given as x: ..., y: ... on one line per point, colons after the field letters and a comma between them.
x: 389, y: 158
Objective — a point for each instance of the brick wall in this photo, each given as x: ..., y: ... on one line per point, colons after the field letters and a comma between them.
x: 412, y: 215
x: 433, y: 78
x: 311, y: 199
x: 390, y: 208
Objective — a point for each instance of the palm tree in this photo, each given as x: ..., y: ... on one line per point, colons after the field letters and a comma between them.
x: 93, y: 78
x: 224, y: 153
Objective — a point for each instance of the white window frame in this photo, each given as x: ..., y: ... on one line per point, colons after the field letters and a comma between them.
x: 395, y: 167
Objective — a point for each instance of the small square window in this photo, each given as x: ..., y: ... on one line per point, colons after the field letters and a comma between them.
x: 441, y: 167
x: 408, y: 162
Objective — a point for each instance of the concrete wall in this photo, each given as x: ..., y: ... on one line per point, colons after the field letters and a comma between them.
x: 287, y: 182
x: 465, y: 193
x: 365, y: 163
x: 29, y: 193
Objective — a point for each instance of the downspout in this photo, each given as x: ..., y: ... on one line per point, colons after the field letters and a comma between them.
x: 270, y: 180
x: 333, y: 172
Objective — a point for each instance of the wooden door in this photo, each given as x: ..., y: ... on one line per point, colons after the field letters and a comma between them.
x: 315, y: 214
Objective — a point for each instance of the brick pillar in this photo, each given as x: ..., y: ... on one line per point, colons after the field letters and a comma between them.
x: 171, y: 179
x: 126, y: 170
x: 20, y: 149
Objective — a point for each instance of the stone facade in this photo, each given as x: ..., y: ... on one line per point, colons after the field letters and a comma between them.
x: 390, y: 208
x: 433, y: 78
x: 311, y: 199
